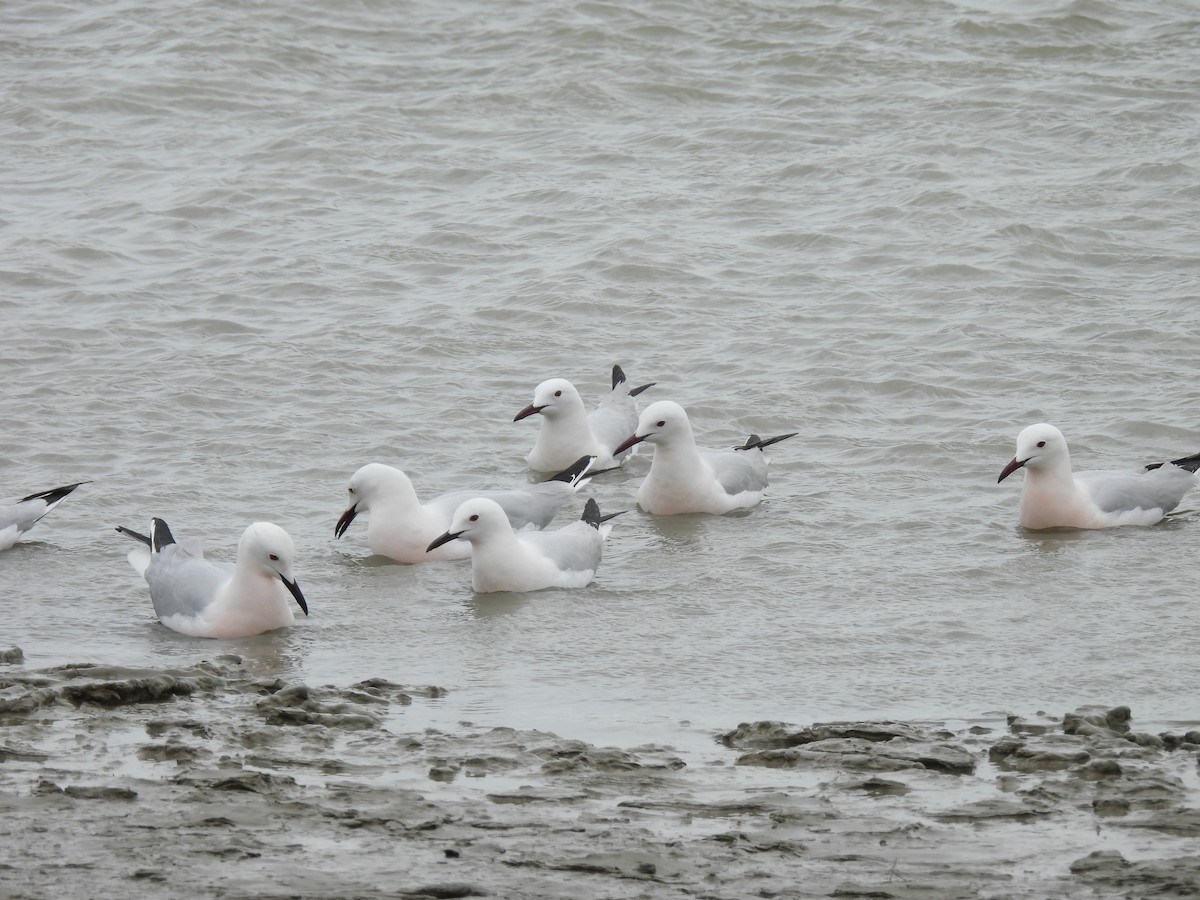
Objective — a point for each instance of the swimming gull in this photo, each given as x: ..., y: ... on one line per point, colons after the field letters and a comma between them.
x: 502, y: 560
x: 194, y: 596
x: 1055, y: 497
x: 684, y: 478
x: 568, y: 430
x: 401, y: 527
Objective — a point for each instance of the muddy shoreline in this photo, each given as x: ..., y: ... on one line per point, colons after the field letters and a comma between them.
x: 216, y: 781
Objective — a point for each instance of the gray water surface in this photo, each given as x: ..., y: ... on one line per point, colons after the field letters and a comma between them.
x: 249, y: 248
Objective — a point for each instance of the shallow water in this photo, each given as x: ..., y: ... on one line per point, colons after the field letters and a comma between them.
x: 248, y: 249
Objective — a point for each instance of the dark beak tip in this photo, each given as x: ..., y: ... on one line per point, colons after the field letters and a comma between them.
x: 1009, y: 469
x: 343, y: 524
x: 294, y: 590
x: 627, y: 443
x: 442, y: 539
x: 527, y: 412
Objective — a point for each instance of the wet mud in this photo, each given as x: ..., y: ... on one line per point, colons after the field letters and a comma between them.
x: 217, y: 781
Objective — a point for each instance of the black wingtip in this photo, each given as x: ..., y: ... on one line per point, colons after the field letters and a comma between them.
x: 136, y: 535
x: 54, y: 494
x: 633, y: 392
x: 160, y: 535
x: 595, y: 472
x: 1191, y: 463
x: 572, y: 472
x: 591, y: 513
x: 619, y: 512
x: 618, y: 376
x: 755, y: 442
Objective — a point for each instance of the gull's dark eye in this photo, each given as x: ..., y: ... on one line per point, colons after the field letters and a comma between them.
x: 662, y: 422
x: 474, y: 518
x: 274, y: 558
x: 558, y: 393
x: 1041, y: 443
x: 351, y: 490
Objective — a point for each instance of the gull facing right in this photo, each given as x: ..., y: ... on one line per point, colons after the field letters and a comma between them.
x: 200, y: 598
x: 1055, y: 497
x: 684, y: 478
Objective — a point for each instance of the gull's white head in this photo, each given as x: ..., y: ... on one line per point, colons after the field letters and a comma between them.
x: 552, y: 398
x: 370, y: 484
x: 662, y: 422
x: 473, y: 520
x: 268, y: 549
x: 1038, y: 446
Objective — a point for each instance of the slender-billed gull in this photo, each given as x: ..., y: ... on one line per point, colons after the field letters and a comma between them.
x: 1055, y: 497
x: 200, y: 598
x: 17, y: 516
x: 502, y: 560
x: 569, y: 431
x: 684, y: 478
x: 401, y: 527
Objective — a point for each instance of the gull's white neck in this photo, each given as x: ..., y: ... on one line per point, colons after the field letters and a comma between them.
x: 1050, y: 497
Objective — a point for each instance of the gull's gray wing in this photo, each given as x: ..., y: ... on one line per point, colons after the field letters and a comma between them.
x: 738, y: 471
x: 536, y: 504
x: 182, y: 584
x: 615, y: 418
x: 19, y: 515
x: 1121, y: 491
x: 573, y: 548
x: 533, y: 505
x: 446, y: 504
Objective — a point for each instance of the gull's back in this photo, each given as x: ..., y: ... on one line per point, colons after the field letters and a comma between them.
x: 574, y: 550
x: 1119, y: 492
x: 183, y: 584
x: 738, y: 471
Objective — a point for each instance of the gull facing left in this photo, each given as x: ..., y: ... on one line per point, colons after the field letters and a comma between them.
x: 1055, y: 497
x: 400, y: 526
x: 200, y: 598
x: 684, y: 478
x: 569, y: 430
x: 502, y: 560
